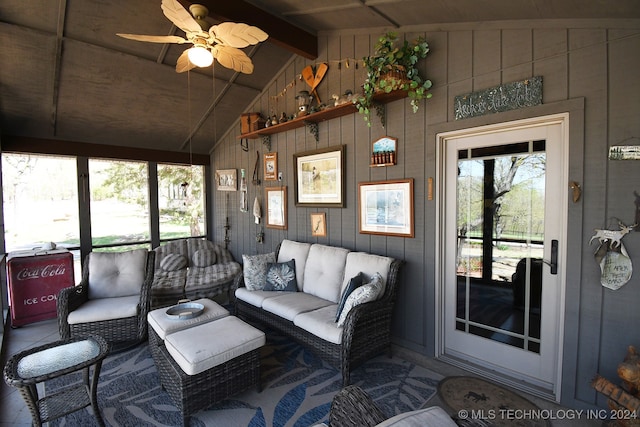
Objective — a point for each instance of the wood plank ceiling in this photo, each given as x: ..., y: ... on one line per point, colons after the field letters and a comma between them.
x: 65, y: 75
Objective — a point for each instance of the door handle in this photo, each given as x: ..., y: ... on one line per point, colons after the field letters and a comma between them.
x: 554, y: 257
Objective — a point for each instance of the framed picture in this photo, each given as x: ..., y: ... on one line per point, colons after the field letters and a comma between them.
x: 386, y: 207
x: 319, y: 177
x: 385, y: 144
x: 271, y: 166
x: 318, y: 224
x: 276, y: 207
x: 227, y: 179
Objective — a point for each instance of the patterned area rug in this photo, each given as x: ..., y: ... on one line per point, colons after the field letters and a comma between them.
x: 475, y: 401
x: 297, y: 389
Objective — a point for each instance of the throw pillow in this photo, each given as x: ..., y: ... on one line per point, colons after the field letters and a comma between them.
x: 281, y: 276
x: 365, y: 293
x: 255, y: 270
x: 173, y: 262
x: 204, y: 257
x: 354, y: 283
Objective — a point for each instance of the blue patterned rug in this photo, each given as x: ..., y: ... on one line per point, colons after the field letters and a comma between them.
x: 297, y: 389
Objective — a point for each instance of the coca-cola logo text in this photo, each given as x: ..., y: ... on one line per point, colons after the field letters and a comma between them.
x: 50, y: 270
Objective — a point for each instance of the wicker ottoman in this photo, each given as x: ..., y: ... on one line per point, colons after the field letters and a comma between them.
x: 207, y: 363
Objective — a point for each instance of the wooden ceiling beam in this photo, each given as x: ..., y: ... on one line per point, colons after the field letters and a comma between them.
x: 281, y: 32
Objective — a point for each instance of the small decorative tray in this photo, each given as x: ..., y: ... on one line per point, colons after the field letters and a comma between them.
x: 185, y: 310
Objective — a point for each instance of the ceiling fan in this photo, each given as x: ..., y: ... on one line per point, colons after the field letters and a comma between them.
x: 222, y: 41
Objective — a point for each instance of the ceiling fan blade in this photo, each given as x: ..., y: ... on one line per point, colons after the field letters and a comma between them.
x: 183, y: 63
x: 180, y: 16
x: 237, y: 35
x: 233, y: 58
x: 154, y: 39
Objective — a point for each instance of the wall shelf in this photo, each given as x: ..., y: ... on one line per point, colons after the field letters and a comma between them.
x: 312, y: 120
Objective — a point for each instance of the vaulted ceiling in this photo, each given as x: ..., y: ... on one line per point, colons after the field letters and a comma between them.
x: 65, y: 75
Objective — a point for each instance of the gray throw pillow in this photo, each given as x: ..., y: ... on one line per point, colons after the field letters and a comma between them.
x: 204, y: 257
x: 354, y: 283
x: 281, y: 276
x: 255, y: 270
x: 366, y: 293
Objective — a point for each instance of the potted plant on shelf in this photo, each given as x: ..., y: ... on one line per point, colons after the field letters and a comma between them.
x: 393, y: 66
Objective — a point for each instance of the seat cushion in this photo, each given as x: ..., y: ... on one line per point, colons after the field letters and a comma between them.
x: 297, y: 251
x: 324, y: 272
x: 116, y: 274
x: 210, y: 344
x: 321, y: 323
x: 163, y: 325
x: 434, y: 416
x: 255, y: 298
x: 98, y: 310
x: 204, y: 278
x: 289, y: 304
x: 169, y: 282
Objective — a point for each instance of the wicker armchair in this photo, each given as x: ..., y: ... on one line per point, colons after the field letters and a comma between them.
x: 352, y: 407
x: 112, y: 300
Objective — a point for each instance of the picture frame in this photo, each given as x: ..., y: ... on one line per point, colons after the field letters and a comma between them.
x: 319, y: 177
x: 384, y: 151
x: 386, y: 208
x: 227, y: 180
x: 318, y: 224
x: 271, y: 166
x: 276, y: 207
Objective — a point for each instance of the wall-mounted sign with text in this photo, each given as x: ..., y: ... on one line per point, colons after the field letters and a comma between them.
x: 510, y: 96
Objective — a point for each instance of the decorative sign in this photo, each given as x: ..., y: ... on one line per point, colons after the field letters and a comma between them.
x: 624, y: 152
x: 510, y: 96
x: 612, y: 257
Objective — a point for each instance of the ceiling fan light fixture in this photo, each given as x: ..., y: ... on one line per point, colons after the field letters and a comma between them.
x: 200, y: 56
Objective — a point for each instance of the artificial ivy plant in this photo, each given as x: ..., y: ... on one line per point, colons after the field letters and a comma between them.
x: 393, y: 66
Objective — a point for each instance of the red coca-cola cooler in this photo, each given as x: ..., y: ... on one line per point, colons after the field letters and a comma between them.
x: 34, y: 280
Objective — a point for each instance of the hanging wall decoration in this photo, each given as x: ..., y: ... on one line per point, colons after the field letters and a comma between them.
x: 612, y: 257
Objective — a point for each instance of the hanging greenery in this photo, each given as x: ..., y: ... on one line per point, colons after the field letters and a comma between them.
x: 393, y: 66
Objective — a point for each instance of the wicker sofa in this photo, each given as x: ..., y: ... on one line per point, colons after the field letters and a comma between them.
x: 191, y: 269
x: 309, y: 315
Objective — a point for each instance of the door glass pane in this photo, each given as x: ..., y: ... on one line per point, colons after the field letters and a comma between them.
x: 181, y: 201
x: 500, y: 223
x: 119, y: 202
x: 41, y: 203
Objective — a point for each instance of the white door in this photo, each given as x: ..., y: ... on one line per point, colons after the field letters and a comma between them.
x: 502, y: 245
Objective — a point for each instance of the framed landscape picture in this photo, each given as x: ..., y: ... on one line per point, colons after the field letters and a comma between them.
x: 319, y: 177
x: 276, y: 207
x: 227, y: 179
x: 271, y: 166
x: 386, y: 207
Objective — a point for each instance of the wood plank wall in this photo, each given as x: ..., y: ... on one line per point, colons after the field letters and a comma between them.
x: 598, y: 63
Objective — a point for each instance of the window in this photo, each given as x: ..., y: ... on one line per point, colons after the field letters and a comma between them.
x: 181, y: 201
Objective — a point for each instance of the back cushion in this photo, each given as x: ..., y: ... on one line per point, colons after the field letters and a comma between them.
x: 116, y: 274
x: 324, y: 272
x: 294, y: 250
x: 369, y: 264
x: 176, y: 247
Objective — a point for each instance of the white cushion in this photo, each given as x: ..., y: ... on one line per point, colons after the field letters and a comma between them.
x: 211, y: 344
x: 365, y: 293
x: 98, y: 310
x: 164, y: 325
x: 434, y: 416
x: 298, y: 251
x: 321, y: 323
x: 289, y: 304
x: 367, y: 264
x: 116, y: 274
x: 324, y: 272
x: 254, y: 297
